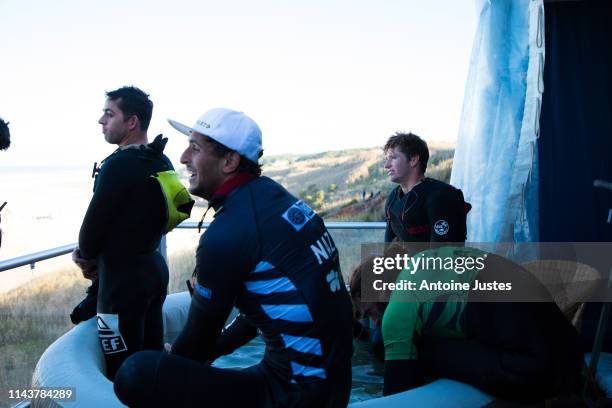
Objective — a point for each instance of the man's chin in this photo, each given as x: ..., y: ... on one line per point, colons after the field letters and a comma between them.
x: 194, y: 190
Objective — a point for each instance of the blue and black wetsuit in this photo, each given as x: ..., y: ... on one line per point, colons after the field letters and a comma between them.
x: 270, y: 256
x: 432, y: 211
x: 122, y: 230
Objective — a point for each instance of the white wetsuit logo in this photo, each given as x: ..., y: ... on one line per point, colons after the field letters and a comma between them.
x: 333, y: 280
x: 441, y: 227
x: 298, y: 215
x: 109, y: 335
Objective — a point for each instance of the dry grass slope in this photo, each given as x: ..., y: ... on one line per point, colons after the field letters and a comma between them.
x: 35, y: 314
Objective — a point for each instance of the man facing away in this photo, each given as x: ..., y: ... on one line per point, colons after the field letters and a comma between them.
x: 270, y: 256
x: 121, y: 232
x: 420, y: 209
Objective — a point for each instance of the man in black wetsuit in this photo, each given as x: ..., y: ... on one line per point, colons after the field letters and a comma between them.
x: 121, y: 231
x: 270, y: 256
x: 515, y: 350
x: 420, y: 209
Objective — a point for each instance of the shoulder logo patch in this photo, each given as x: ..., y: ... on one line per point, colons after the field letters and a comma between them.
x: 441, y: 227
x: 298, y: 215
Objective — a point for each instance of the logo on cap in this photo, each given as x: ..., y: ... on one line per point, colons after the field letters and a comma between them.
x: 204, y: 124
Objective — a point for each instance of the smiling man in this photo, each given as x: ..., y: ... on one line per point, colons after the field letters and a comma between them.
x: 420, y: 209
x: 270, y: 256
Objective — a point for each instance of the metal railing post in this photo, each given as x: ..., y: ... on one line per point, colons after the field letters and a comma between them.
x: 163, y: 248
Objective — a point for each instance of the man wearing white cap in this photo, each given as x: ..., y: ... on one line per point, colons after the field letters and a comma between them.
x: 270, y: 256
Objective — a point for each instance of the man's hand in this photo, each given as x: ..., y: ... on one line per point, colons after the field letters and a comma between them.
x: 168, y: 349
x: 87, y: 266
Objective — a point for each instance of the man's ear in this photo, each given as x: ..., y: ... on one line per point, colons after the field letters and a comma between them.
x: 231, y: 161
x: 414, y: 161
x: 133, y: 122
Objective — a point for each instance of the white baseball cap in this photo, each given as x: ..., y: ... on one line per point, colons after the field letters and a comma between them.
x: 232, y: 129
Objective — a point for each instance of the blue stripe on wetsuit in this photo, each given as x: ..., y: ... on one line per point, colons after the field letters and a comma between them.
x: 307, y: 371
x: 303, y: 344
x: 262, y: 267
x: 292, y: 313
x: 266, y: 287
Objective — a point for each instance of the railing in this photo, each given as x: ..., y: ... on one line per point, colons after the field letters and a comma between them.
x: 31, y: 259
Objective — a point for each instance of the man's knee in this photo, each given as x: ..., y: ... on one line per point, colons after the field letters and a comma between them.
x: 135, y: 380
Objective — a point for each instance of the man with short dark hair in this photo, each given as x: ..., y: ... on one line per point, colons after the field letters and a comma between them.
x: 270, y: 256
x: 420, y: 209
x: 126, y: 218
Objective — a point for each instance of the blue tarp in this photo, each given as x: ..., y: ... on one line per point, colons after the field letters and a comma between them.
x: 496, y: 156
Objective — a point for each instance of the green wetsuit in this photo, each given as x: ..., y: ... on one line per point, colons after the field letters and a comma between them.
x: 437, y: 311
x: 522, y: 351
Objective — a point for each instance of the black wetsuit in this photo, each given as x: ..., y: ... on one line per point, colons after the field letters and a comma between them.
x: 270, y: 256
x: 518, y: 351
x: 122, y: 230
x: 432, y: 211
x: 521, y: 351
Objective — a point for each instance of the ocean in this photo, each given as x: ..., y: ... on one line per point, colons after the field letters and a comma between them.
x: 45, y: 206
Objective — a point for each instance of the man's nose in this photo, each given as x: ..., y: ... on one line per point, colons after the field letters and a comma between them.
x: 183, y: 158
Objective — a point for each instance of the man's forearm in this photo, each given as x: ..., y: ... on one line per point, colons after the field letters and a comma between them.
x: 197, y: 339
x: 237, y: 334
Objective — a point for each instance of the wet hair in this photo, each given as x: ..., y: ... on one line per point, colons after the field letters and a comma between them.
x: 5, y: 135
x: 245, y: 166
x: 411, y: 145
x: 133, y: 101
x: 355, y: 290
x: 367, y: 266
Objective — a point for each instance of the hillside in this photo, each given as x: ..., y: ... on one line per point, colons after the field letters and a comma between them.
x: 348, y: 185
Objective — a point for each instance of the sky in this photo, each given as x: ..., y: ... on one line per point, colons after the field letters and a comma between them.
x: 316, y: 75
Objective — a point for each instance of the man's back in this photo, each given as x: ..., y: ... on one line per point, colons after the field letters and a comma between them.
x: 121, y: 231
x: 290, y: 285
x: 126, y: 214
